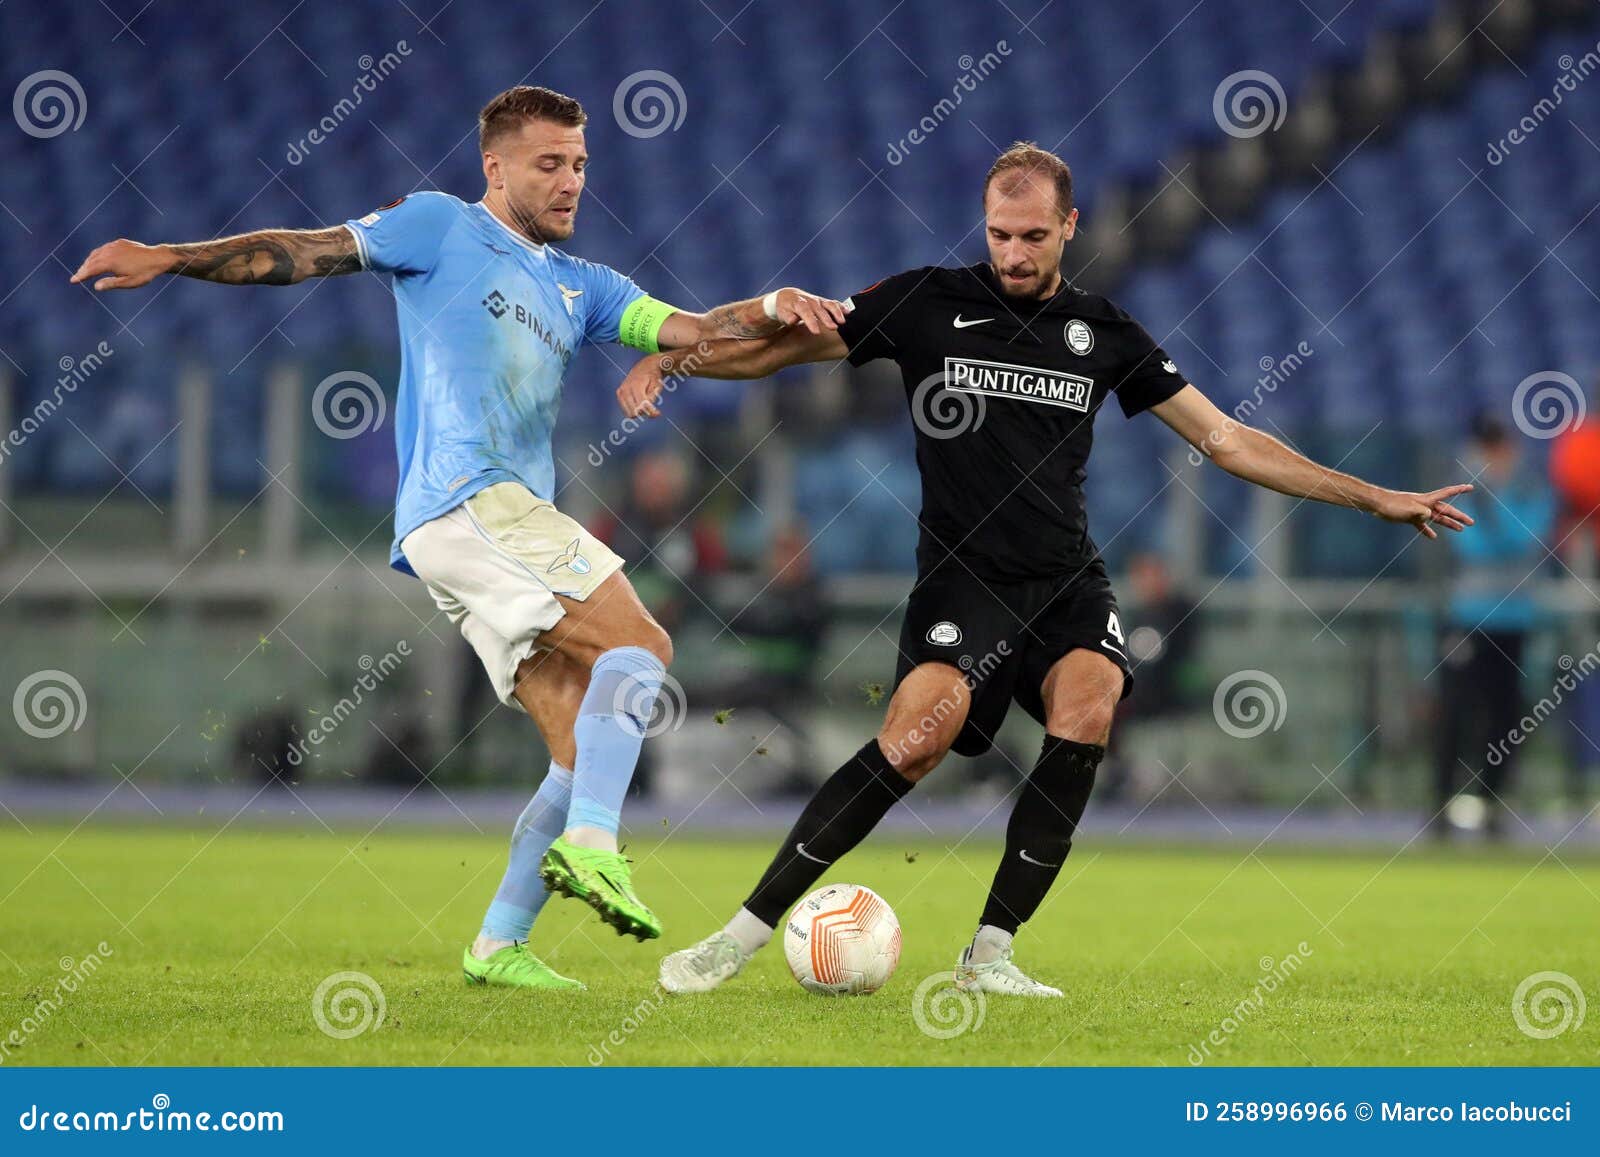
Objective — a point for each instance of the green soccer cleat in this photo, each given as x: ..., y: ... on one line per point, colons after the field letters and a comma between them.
x: 514, y: 967
x: 601, y: 880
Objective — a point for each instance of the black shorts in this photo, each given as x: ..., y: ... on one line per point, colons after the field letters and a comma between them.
x: 1007, y: 636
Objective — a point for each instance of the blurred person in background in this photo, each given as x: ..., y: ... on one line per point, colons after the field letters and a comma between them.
x: 673, y: 547
x: 1162, y: 640
x: 670, y: 544
x: 1582, y: 736
x: 1575, y: 477
x: 262, y: 743
x: 1491, y: 611
x: 1160, y: 646
x: 783, y: 628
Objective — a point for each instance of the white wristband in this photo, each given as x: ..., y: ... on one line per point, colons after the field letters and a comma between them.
x: 769, y: 305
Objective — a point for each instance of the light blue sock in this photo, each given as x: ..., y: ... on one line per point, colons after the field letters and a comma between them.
x: 522, y: 893
x: 623, y: 685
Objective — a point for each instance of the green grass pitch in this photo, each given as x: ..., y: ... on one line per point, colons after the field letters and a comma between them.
x: 219, y: 940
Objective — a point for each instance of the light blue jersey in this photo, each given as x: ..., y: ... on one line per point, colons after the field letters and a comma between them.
x: 489, y: 322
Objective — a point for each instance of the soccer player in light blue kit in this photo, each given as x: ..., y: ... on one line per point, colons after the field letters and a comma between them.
x: 490, y: 316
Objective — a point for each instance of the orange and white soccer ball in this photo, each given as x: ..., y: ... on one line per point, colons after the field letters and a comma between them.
x: 842, y: 940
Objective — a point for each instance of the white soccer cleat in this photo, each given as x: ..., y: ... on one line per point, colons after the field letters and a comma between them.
x: 704, y: 966
x: 999, y: 976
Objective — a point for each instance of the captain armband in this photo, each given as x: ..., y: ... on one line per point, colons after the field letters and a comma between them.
x: 641, y: 323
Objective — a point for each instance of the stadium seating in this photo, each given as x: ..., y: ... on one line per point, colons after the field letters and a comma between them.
x: 792, y: 181
x: 1423, y: 304
x: 810, y: 138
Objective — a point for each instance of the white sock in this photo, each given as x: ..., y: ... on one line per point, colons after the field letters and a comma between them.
x: 989, y: 945
x: 582, y: 837
x: 483, y: 947
x: 749, y: 931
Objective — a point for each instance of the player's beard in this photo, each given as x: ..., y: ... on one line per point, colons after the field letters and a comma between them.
x: 527, y: 222
x: 1037, y: 287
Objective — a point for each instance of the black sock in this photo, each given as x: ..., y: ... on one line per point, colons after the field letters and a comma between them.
x: 838, y: 818
x: 1039, y: 834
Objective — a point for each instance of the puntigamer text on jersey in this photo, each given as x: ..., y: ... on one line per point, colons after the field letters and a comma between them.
x: 1036, y: 385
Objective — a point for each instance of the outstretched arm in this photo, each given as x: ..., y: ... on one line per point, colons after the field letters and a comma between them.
x: 1260, y: 458
x: 728, y: 358
x: 749, y: 319
x: 266, y: 257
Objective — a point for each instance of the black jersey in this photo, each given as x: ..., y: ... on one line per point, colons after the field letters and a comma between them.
x: 1003, y: 394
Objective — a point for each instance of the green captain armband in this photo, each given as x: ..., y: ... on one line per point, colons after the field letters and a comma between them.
x: 641, y: 324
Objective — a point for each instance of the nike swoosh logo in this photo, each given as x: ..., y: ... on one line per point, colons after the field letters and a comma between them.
x: 1031, y: 860
x: 612, y: 884
x: 801, y: 848
x: 1106, y: 643
x: 960, y: 324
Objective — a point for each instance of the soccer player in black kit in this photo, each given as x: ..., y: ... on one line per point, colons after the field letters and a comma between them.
x: 1005, y: 365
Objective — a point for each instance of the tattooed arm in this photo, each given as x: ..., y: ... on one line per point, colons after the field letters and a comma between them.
x: 748, y: 319
x: 266, y: 257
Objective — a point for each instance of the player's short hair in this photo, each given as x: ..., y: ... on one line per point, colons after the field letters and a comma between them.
x: 1026, y: 159
x: 526, y: 102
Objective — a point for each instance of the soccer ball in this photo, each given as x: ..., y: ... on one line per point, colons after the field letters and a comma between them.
x: 842, y: 940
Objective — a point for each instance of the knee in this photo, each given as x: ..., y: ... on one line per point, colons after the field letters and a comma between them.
x: 657, y: 642
x: 915, y: 744
x: 910, y: 759
x: 1085, y: 717
x: 926, y: 714
x: 648, y: 636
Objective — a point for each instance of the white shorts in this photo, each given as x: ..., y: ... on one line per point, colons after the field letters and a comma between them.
x: 495, y: 563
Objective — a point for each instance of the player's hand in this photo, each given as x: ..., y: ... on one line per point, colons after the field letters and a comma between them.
x: 641, y: 389
x: 817, y: 314
x: 1423, y: 511
x: 124, y: 264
